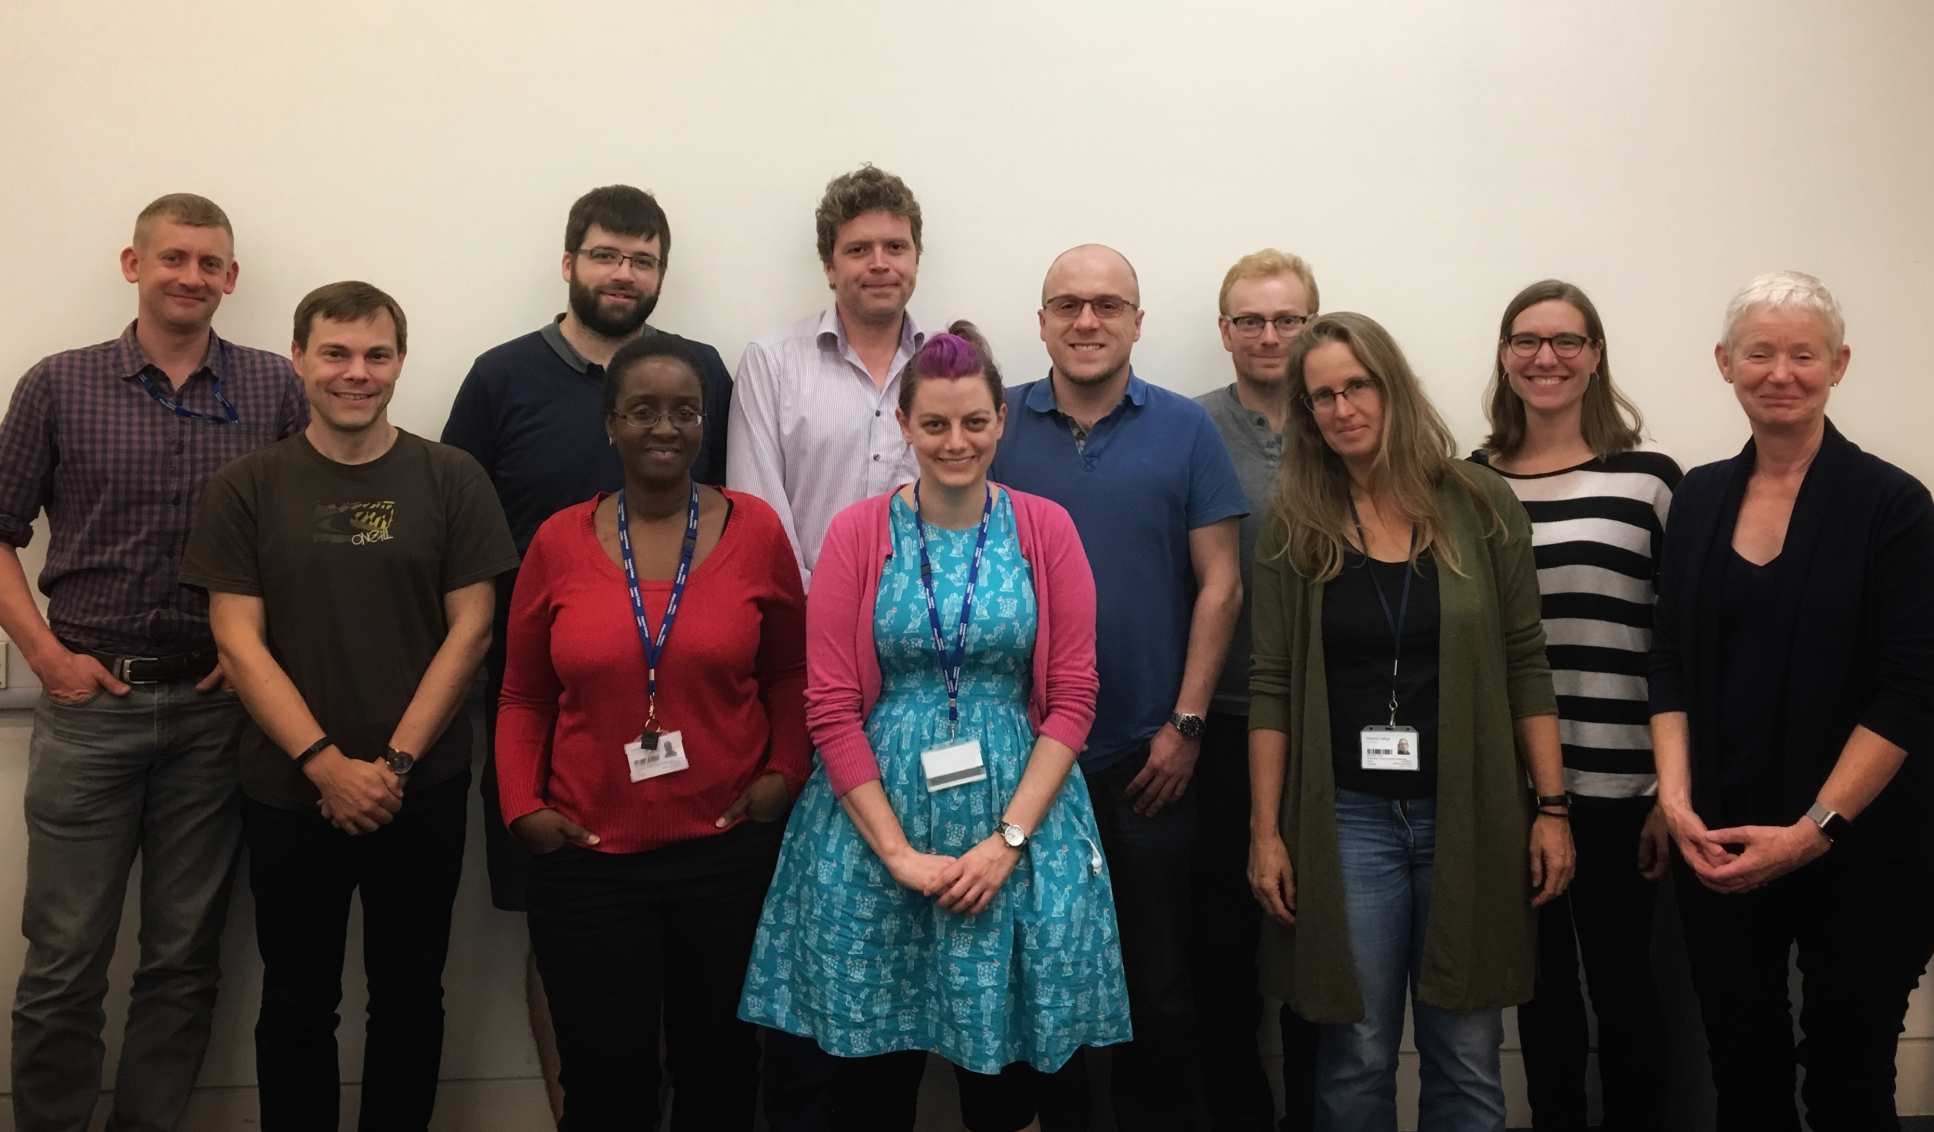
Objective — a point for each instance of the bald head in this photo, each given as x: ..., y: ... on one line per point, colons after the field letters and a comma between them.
x: 1092, y: 269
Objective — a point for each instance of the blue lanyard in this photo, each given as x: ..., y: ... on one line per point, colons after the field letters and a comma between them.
x: 952, y: 660
x: 1403, y: 604
x: 655, y: 649
x: 174, y: 405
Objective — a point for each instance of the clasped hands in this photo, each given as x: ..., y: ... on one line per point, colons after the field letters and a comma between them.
x: 964, y: 885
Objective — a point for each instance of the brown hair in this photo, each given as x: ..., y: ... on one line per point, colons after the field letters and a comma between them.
x: 1610, y: 423
x: 866, y: 189
x: 1414, y: 454
x: 348, y: 301
x: 183, y: 208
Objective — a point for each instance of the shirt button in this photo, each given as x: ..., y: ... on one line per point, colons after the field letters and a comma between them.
x: 876, y: 412
x: 876, y: 457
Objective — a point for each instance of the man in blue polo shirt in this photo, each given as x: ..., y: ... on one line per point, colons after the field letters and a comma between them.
x: 531, y: 412
x: 1156, y: 499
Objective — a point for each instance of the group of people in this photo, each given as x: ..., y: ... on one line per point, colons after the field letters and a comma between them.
x: 861, y: 706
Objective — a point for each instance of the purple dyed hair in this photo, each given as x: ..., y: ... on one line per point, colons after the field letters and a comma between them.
x: 961, y: 352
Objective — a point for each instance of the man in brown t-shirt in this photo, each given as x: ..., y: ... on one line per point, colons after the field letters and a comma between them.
x: 350, y: 572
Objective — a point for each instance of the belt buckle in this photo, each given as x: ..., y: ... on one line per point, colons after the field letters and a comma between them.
x: 124, y: 667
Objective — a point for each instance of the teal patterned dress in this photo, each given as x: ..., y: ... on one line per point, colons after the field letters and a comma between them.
x: 846, y: 956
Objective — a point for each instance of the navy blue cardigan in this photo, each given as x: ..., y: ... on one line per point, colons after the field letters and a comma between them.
x: 1855, y: 586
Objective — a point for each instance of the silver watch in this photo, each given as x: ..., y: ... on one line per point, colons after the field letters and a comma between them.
x: 1014, y: 836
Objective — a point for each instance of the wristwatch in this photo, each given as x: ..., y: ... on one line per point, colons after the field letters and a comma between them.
x: 1013, y: 835
x: 1191, y: 726
x: 400, y: 762
x: 1830, y: 822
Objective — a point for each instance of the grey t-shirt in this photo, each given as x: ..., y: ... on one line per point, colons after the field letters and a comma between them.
x: 351, y: 562
x: 1256, y: 451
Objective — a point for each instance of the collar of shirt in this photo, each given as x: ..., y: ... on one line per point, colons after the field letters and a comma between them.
x: 553, y: 334
x: 131, y: 361
x: 1257, y: 429
x: 1040, y: 399
x: 832, y: 336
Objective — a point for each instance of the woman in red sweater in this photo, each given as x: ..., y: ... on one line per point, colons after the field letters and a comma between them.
x: 650, y: 735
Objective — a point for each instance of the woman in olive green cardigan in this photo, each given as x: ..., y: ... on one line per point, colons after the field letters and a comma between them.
x: 1392, y: 731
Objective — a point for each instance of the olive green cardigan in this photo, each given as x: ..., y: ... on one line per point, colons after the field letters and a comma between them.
x: 1480, y: 942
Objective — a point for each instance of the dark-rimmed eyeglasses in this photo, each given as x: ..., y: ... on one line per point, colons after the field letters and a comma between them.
x: 1563, y: 345
x: 1355, y: 391
x: 646, y: 416
x: 1107, y: 308
x: 1250, y: 325
x: 611, y: 257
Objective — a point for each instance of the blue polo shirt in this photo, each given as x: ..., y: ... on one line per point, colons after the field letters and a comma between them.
x: 1150, y: 472
x: 531, y: 411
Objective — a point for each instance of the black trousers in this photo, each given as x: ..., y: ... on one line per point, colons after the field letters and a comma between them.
x: 625, y: 940
x: 1606, y: 917
x: 1865, y: 932
x: 302, y: 871
x: 1226, y: 930
x: 881, y: 1094
x: 1153, y: 1080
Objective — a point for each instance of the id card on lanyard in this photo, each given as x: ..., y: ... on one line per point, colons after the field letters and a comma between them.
x: 1389, y: 746
x: 655, y: 752
x: 956, y: 762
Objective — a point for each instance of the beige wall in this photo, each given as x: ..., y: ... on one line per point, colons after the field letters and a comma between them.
x: 1428, y: 158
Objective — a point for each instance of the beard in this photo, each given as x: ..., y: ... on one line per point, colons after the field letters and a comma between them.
x: 584, y: 304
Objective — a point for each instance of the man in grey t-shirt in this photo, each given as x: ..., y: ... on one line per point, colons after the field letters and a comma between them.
x: 1266, y: 298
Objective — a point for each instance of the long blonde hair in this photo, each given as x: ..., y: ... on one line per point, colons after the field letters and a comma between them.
x: 1414, y: 454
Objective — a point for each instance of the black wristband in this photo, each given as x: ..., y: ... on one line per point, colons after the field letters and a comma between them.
x: 1561, y: 815
x: 314, y: 749
x: 1554, y: 800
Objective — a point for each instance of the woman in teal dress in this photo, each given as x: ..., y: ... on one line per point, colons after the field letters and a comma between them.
x: 941, y: 887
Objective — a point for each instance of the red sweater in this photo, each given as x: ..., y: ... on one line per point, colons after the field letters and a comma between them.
x: 732, y: 679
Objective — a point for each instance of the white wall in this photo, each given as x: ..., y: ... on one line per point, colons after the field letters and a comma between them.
x: 1428, y: 158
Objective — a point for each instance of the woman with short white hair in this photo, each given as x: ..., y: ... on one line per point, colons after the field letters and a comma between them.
x: 1792, y: 692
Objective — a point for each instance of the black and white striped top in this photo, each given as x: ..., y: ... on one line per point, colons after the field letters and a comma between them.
x: 1597, y: 531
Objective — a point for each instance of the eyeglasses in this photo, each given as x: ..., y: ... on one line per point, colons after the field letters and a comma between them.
x: 1563, y: 345
x: 612, y: 257
x: 1354, y: 391
x: 1107, y: 308
x: 645, y: 416
x: 1250, y: 325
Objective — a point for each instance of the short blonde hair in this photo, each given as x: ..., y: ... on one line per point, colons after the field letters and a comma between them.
x: 1264, y: 264
x: 188, y: 209
x: 1795, y: 290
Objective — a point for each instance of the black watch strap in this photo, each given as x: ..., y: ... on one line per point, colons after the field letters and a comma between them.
x: 312, y: 750
x: 1555, y: 800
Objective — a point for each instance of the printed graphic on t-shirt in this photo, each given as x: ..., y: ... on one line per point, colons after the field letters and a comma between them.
x: 357, y: 524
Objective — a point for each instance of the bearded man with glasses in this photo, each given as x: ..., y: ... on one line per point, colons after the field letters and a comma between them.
x: 530, y: 412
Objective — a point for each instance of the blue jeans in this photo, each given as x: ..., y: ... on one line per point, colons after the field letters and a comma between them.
x: 151, y: 775
x: 1387, y: 849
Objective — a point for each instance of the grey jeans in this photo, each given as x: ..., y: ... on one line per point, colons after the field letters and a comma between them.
x: 150, y: 773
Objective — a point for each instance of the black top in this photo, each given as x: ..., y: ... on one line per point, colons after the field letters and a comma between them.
x: 352, y: 562
x: 532, y: 413
x: 1357, y: 650
x: 1747, y: 732
x: 1848, y: 620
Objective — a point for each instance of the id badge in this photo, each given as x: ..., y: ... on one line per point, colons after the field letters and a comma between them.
x: 955, y: 764
x: 665, y: 756
x: 1390, y: 748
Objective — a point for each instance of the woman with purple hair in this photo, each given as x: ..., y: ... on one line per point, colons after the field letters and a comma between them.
x: 941, y: 888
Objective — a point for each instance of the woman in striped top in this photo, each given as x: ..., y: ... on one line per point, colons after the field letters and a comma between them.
x: 1567, y: 442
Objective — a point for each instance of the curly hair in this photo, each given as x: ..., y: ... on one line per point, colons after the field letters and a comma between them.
x: 866, y: 189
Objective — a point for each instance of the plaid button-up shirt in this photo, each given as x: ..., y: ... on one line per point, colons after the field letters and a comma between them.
x: 120, y: 476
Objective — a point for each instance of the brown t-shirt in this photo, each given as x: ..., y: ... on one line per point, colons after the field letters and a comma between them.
x: 352, y: 562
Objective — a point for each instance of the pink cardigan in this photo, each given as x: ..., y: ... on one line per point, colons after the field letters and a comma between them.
x: 843, y: 670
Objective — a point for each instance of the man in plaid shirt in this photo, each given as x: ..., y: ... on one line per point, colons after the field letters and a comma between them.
x: 133, y: 748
